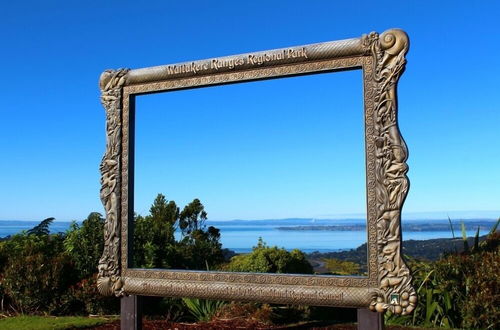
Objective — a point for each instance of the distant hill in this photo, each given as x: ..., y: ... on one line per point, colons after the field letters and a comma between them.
x: 283, y: 222
x: 431, y: 249
x: 408, y: 226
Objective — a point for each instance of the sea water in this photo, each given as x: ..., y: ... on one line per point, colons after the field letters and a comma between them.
x: 241, y: 236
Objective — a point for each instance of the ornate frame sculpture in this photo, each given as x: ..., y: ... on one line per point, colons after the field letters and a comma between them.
x: 388, y: 285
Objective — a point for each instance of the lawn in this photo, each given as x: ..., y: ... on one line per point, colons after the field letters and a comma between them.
x: 50, y: 322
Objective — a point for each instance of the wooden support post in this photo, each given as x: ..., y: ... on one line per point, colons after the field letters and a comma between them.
x: 131, y: 313
x: 368, y: 320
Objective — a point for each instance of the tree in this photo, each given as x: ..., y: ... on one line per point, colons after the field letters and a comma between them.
x: 155, y: 245
x: 200, y: 247
x: 154, y: 240
x: 164, y: 214
x: 192, y: 217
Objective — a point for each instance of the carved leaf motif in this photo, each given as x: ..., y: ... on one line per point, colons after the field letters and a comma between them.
x: 111, y: 83
x: 388, y: 52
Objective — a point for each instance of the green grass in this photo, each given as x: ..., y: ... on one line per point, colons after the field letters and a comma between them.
x: 49, y: 322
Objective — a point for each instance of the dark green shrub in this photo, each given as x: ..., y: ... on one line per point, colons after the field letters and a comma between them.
x: 459, y: 290
x: 166, y: 308
x: 36, y: 273
x: 200, y: 250
x: 473, y: 283
x: 85, y: 244
x: 482, y: 308
x: 84, y: 299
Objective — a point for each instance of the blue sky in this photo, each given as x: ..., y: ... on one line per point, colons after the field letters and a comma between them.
x: 52, y: 132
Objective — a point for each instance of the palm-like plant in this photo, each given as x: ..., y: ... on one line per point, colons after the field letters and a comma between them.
x: 203, y: 309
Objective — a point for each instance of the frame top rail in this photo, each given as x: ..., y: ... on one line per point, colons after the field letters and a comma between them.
x: 311, y: 52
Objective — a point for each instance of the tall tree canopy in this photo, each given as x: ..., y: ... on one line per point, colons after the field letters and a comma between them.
x: 155, y: 244
x: 192, y: 217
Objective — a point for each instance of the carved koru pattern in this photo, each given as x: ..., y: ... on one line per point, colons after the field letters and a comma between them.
x: 111, y: 83
x: 396, y: 292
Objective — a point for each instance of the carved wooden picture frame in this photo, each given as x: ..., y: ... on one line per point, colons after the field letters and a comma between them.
x: 388, y: 284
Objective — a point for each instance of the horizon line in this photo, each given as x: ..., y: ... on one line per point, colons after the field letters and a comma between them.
x: 418, y: 215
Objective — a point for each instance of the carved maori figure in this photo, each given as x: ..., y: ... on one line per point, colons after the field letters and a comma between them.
x: 111, y: 83
x: 396, y: 293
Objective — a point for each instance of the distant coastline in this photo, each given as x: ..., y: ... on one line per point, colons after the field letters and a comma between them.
x: 307, y: 235
x: 415, y: 227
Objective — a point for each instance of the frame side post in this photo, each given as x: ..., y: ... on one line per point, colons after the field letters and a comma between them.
x: 368, y: 320
x: 131, y: 312
x: 395, y: 292
x: 109, y: 271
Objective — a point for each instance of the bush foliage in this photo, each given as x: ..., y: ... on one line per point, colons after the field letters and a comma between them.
x: 56, y: 273
x: 35, y: 272
x: 85, y: 243
x: 265, y: 259
x: 461, y: 290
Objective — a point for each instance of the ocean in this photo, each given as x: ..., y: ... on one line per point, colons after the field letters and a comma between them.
x: 12, y: 227
x: 241, y: 235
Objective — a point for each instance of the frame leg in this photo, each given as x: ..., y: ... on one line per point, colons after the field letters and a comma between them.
x: 368, y: 320
x: 131, y: 313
